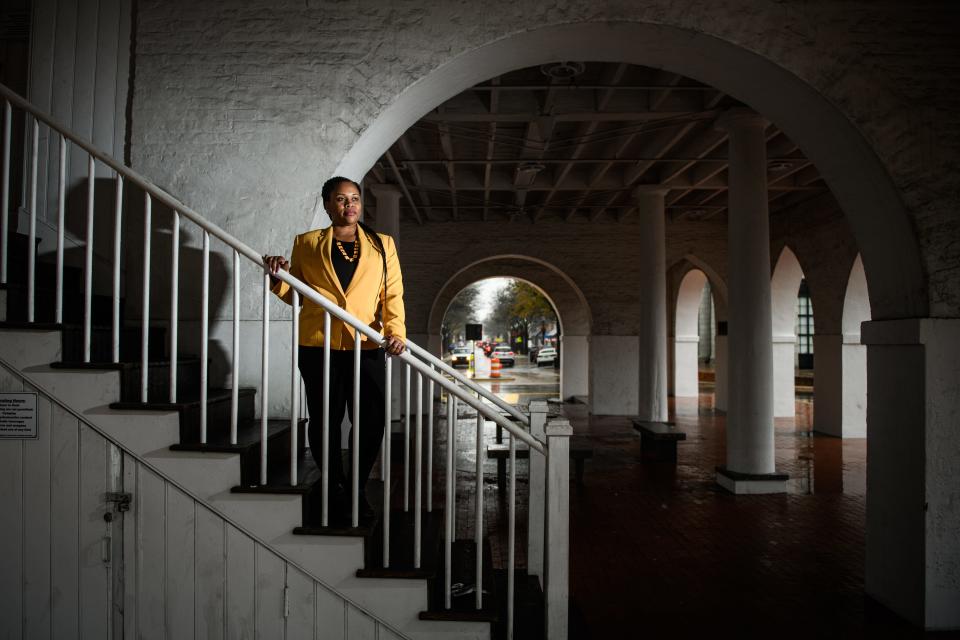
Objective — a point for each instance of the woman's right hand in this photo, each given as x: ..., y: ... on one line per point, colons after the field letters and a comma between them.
x: 274, y: 263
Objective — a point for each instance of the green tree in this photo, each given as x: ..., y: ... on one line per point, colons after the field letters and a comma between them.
x: 462, y: 310
x: 519, y: 306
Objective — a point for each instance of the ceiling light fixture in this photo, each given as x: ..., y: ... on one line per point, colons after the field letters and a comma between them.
x: 562, y: 70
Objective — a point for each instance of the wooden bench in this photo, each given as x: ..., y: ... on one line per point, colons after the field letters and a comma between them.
x: 501, y: 453
x: 658, y: 440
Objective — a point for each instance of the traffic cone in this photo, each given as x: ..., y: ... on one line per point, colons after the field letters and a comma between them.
x: 495, y: 367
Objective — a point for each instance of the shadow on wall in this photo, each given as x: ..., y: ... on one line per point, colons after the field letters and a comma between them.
x: 132, y: 254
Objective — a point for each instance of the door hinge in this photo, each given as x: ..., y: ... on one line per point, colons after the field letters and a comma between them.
x: 120, y: 500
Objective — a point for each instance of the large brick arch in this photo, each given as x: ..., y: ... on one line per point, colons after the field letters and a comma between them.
x: 867, y: 195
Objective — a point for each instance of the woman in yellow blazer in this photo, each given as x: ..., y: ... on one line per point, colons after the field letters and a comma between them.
x: 357, y: 269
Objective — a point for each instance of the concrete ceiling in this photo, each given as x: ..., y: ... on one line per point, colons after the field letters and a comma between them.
x: 569, y: 141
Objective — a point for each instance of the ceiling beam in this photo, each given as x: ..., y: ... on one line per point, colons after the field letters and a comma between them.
x: 491, y: 145
x: 571, y: 116
x: 586, y: 131
x: 414, y: 170
x: 446, y: 144
x: 403, y: 186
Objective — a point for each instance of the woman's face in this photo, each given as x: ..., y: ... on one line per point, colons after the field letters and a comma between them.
x: 344, y: 205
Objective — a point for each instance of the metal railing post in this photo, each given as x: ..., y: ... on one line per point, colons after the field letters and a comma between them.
x: 536, y: 497
x: 88, y: 262
x: 61, y: 215
x: 557, y: 552
x: 175, y: 298
x: 117, y: 234
x: 5, y: 191
x: 294, y: 389
x: 204, y: 336
x: 145, y: 291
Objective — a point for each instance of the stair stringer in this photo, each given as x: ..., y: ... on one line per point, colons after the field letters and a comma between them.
x: 331, y: 560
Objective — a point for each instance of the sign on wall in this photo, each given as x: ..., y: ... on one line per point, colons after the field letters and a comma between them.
x: 18, y: 416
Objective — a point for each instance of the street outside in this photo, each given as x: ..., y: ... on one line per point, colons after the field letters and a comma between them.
x: 520, y: 383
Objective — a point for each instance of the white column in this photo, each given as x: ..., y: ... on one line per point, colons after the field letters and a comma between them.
x: 721, y: 373
x: 651, y: 255
x: 387, y: 197
x: 913, y: 496
x: 574, y: 366
x: 537, y: 492
x: 750, y: 441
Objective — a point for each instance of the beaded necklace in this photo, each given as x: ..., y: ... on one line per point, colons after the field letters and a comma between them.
x: 356, y: 251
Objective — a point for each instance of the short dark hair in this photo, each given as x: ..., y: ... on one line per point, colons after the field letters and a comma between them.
x: 333, y: 182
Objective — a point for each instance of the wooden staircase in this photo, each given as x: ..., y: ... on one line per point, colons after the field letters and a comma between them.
x: 283, y: 515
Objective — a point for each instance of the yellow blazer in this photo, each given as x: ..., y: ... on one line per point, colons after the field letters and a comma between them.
x: 310, y: 262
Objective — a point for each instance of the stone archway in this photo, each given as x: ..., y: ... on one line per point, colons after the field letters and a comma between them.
x: 784, y: 286
x: 686, y: 334
x: 566, y: 298
x: 868, y: 197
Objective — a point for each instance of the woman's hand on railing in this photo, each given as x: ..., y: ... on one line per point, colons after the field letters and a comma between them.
x: 393, y: 345
x: 274, y: 263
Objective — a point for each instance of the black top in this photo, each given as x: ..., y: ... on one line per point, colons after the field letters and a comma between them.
x: 341, y: 265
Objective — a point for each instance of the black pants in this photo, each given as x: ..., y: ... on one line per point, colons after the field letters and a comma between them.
x: 372, y: 389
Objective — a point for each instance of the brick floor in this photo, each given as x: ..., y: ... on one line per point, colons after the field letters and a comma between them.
x: 659, y: 550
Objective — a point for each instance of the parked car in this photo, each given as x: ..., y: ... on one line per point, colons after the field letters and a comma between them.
x: 546, y: 356
x: 461, y: 356
x: 504, y: 354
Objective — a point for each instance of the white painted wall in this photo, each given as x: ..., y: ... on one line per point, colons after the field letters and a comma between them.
x: 614, y: 375
x: 574, y: 366
x: 79, y: 74
x: 177, y: 569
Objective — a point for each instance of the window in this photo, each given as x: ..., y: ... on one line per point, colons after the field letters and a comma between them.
x: 804, y: 322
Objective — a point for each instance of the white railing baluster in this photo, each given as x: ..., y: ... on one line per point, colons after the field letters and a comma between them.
x: 61, y: 214
x: 5, y: 191
x: 406, y: 439
x: 32, y: 247
x: 478, y: 534
x: 430, y: 447
x: 174, y: 301
x: 325, y: 421
x: 450, y: 497
x: 145, y: 289
x: 204, y: 335
x: 355, y: 464
x: 418, y: 475
x: 117, y: 216
x: 294, y: 388
x: 264, y: 378
x: 511, y: 533
x: 557, y: 528
x: 387, y: 399
x: 88, y: 261
x: 235, y: 355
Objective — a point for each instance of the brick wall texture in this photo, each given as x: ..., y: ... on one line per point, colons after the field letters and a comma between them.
x: 244, y: 108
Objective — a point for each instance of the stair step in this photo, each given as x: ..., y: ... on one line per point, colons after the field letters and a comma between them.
x: 248, y: 446
x: 45, y: 301
x: 158, y: 376
x: 528, y: 606
x: 463, y: 607
x: 218, y: 410
x: 401, y: 547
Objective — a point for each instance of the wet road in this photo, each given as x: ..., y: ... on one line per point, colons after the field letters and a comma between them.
x: 523, y: 382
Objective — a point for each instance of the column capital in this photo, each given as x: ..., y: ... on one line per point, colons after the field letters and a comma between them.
x: 385, y: 190
x: 559, y: 427
x: 739, y: 118
x: 647, y: 191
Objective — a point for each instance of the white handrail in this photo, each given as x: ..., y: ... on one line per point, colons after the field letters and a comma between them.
x: 165, y: 198
x: 488, y: 405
